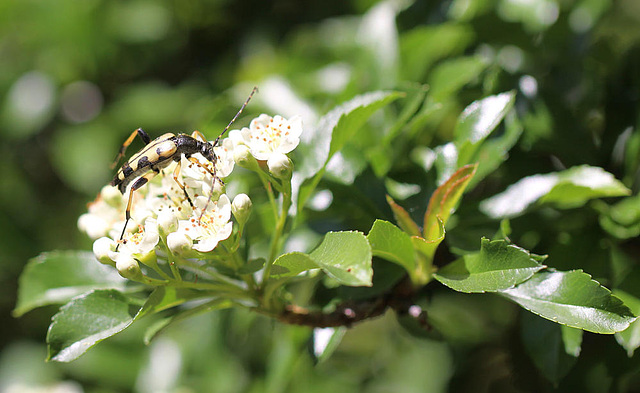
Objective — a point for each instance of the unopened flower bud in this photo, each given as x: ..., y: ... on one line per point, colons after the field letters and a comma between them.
x: 280, y: 166
x: 94, y: 226
x: 128, y: 267
x: 149, y: 258
x: 167, y: 221
x: 242, y: 156
x: 102, y: 248
x: 111, y: 196
x: 179, y: 243
x: 241, y: 208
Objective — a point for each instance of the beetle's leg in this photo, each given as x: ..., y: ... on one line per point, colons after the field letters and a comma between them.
x: 199, y: 136
x: 135, y: 186
x: 140, y: 132
x: 198, y: 163
x: 182, y: 186
x: 213, y: 182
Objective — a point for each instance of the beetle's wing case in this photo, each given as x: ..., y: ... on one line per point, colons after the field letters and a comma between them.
x: 156, y: 155
x: 157, y: 151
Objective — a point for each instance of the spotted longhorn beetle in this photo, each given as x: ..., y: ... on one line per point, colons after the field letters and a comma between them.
x: 157, y: 154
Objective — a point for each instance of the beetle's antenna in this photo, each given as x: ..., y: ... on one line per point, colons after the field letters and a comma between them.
x: 215, y: 143
x: 255, y: 89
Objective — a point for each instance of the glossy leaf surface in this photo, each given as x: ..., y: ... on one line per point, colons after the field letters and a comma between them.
x: 391, y: 243
x: 630, y: 337
x: 55, y: 277
x: 545, y: 345
x: 499, y: 265
x: 346, y: 256
x: 567, y: 189
x: 87, y: 320
x: 331, y: 134
x: 573, y: 299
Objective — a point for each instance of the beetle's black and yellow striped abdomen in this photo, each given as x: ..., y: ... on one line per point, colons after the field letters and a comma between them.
x: 155, y: 156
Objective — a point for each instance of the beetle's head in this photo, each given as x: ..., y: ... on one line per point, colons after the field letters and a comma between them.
x: 206, y: 149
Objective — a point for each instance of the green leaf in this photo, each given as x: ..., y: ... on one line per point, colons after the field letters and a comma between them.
x: 160, y: 325
x: 252, y: 266
x: 474, y: 125
x: 504, y: 231
x: 621, y: 220
x: 423, y: 46
x: 481, y: 117
x: 498, y: 266
x: 428, y: 247
x: 567, y: 189
x: 401, y: 190
x: 579, y: 184
x: 451, y: 75
x: 629, y: 338
x: 477, y: 121
x: 444, y: 200
x: 86, y: 320
x: 469, y: 318
x: 56, y: 277
x: 163, y: 298
x: 345, y: 120
x: 494, y: 151
x: 292, y: 264
x: 345, y: 256
x: 391, y: 243
x: 333, y: 131
x: 464, y: 10
x: 573, y: 299
x: 284, y: 357
x: 544, y: 343
x: 381, y: 154
x: 572, y: 339
x: 92, y: 317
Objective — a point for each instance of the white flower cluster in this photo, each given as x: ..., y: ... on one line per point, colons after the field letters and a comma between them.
x: 160, y: 212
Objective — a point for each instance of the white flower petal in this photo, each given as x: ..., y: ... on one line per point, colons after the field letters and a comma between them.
x: 267, y: 135
x: 236, y: 138
x: 214, y: 225
x: 206, y: 244
x: 225, y: 231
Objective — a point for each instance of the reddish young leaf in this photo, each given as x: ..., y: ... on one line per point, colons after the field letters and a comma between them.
x: 444, y: 200
x: 402, y: 218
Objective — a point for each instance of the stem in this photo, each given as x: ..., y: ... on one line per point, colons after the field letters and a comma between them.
x: 247, y: 278
x: 399, y: 298
x: 156, y: 268
x: 423, y: 273
x: 217, y: 287
x: 171, y: 262
x: 275, y: 240
x: 211, y: 273
x: 267, y: 186
x: 154, y: 281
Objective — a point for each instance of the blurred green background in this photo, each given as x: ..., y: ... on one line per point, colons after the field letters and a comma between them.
x: 76, y: 77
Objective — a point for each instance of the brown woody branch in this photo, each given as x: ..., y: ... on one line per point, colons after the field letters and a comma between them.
x: 400, y: 298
